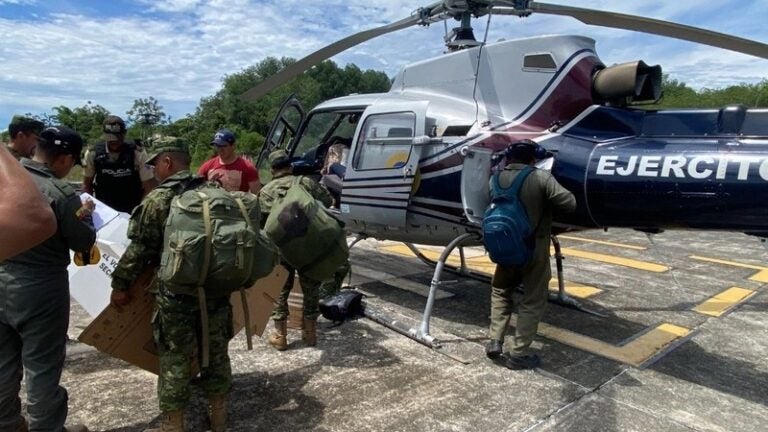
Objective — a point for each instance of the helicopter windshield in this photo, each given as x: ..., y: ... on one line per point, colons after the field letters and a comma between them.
x: 321, y: 126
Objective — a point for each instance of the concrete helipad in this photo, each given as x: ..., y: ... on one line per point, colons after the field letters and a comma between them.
x: 683, y: 345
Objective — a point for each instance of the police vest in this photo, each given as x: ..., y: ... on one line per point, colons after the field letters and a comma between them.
x: 117, y: 183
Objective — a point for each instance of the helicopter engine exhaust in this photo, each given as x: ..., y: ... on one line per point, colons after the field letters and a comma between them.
x: 625, y: 83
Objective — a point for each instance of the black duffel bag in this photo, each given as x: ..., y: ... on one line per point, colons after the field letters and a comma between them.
x: 345, y: 305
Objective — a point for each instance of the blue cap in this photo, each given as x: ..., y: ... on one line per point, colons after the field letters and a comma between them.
x: 223, y: 137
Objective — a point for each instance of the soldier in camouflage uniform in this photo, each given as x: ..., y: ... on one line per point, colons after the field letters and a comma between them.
x: 176, y: 321
x: 282, y: 180
x: 34, y: 294
x: 24, y: 132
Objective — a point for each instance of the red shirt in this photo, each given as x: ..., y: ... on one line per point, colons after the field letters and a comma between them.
x: 235, y: 176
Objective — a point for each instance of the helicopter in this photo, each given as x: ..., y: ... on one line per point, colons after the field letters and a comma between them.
x: 416, y: 160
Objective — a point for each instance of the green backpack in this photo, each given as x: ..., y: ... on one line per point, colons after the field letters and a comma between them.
x: 212, y: 240
x: 309, y: 238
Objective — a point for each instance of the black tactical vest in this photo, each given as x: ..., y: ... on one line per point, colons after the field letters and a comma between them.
x: 117, y: 183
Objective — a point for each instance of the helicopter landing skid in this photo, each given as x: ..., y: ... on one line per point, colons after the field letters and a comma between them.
x: 421, y: 334
x: 560, y: 298
x: 461, y: 271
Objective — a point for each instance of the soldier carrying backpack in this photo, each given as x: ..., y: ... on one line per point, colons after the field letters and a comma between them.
x: 206, y: 244
x: 516, y: 232
x: 311, y: 242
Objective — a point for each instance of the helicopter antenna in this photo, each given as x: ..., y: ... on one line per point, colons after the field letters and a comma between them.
x: 487, y: 26
x: 477, y: 67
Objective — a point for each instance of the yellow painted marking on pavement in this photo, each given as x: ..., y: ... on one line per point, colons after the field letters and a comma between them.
x: 400, y: 283
x: 453, y: 259
x: 724, y: 301
x: 483, y: 264
x: 602, y: 242
x: 761, y: 276
x: 574, y: 289
x: 635, y: 353
x: 617, y: 260
x: 730, y: 263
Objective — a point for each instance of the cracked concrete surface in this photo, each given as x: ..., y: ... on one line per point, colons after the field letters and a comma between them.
x: 365, y: 377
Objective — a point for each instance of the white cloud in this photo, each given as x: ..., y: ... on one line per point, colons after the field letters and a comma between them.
x: 179, y: 50
x: 172, y: 5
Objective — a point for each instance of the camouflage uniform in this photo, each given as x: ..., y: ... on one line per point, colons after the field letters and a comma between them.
x: 541, y: 196
x: 267, y: 196
x: 333, y: 286
x: 176, y: 320
x: 34, y: 312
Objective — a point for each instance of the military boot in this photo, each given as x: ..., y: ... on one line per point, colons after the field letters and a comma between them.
x: 170, y: 421
x: 279, y: 339
x: 217, y: 411
x: 310, y: 331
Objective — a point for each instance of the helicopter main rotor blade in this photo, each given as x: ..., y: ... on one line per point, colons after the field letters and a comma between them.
x: 322, y: 54
x: 654, y: 26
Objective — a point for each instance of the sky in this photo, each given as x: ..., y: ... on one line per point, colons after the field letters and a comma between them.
x: 111, y: 52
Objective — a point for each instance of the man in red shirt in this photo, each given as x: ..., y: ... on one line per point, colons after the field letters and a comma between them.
x: 227, y: 168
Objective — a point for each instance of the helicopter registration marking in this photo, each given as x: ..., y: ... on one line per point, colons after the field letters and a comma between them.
x: 697, y: 167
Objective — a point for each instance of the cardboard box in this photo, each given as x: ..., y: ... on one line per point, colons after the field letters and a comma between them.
x: 127, y: 334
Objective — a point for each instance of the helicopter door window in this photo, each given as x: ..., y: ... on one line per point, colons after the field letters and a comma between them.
x: 386, y: 141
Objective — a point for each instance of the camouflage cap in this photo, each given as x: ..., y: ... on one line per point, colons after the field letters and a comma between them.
x: 278, y: 157
x: 113, y: 128
x: 26, y: 124
x: 166, y: 145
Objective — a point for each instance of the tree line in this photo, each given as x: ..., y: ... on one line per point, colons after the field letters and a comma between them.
x: 251, y: 120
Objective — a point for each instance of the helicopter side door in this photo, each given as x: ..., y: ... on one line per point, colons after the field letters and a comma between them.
x: 380, y: 177
x: 281, y: 134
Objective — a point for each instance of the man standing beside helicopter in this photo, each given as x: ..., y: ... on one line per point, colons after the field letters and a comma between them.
x: 542, y: 197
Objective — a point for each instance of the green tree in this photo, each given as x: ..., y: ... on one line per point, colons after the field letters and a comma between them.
x: 678, y: 95
x: 145, y: 118
x: 87, y: 120
x: 250, y: 120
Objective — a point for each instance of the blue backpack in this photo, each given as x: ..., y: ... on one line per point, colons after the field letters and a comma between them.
x: 507, y: 233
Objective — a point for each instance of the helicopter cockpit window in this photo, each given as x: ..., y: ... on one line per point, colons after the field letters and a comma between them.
x: 386, y: 141
x: 539, y: 62
x: 324, y: 125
